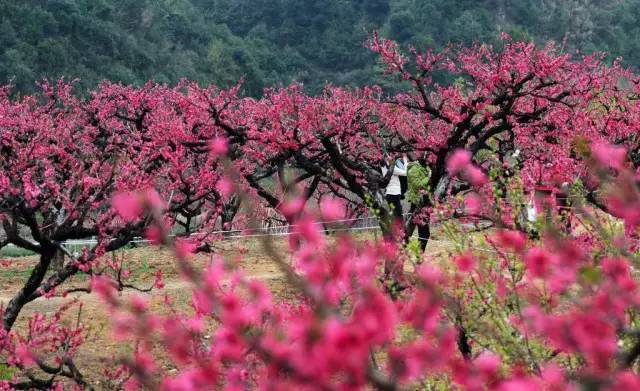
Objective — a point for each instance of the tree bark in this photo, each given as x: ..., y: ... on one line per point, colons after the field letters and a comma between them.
x: 58, y: 261
x: 228, y: 214
x: 23, y: 296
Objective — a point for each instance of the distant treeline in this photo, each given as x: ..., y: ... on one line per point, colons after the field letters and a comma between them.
x: 271, y: 42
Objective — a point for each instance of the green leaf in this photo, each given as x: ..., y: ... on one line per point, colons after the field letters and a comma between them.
x: 591, y: 274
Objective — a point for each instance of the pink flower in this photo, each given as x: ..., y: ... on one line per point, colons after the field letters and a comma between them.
x: 514, y: 240
x: 488, y: 364
x: 26, y: 357
x: 154, y: 234
x: 332, y: 209
x: 196, y: 323
x: 465, y: 262
x: 430, y: 275
x: 618, y: 270
x: 153, y: 199
x: 609, y: 155
x: 292, y: 207
x: 128, y: 206
x: 213, y: 275
x: 225, y: 187
x: 104, y: 287
x: 185, y: 247
x: 159, y: 281
x: 218, y: 146
x: 457, y: 161
x: 626, y: 380
x: 475, y: 176
x: 139, y: 303
x: 472, y: 203
x: 538, y: 262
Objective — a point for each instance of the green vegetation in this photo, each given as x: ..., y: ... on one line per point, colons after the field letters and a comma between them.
x: 6, y: 372
x: 14, y: 252
x: 277, y: 41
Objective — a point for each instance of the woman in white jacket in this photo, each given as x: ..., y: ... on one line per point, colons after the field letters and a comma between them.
x: 393, y: 192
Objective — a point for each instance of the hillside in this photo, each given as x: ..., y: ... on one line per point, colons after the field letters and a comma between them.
x: 277, y: 41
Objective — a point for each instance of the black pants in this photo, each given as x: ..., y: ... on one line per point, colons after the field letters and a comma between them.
x: 395, y: 201
x: 424, y: 233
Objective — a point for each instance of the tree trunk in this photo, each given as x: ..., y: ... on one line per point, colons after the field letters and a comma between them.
x: 228, y: 214
x: 23, y: 296
x: 58, y: 261
x: 187, y: 225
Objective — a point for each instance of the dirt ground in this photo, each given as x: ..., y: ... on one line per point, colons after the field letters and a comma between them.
x: 143, y: 262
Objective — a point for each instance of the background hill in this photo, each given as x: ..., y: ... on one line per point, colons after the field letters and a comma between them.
x: 277, y: 41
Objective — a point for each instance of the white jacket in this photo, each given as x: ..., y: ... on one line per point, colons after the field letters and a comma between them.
x: 400, y: 169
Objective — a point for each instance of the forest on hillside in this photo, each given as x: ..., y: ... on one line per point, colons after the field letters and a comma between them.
x: 270, y: 42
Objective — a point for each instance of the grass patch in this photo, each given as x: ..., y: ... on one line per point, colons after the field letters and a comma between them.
x: 6, y: 372
x: 11, y: 274
x: 14, y: 252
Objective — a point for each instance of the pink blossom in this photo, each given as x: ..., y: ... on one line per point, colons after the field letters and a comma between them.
x: 472, y: 203
x: 475, y: 176
x: 292, y: 207
x: 185, y: 247
x: 24, y: 354
x: 225, y: 187
x: 104, y: 287
x: 332, y: 209
x: 538, y: 262
x: 128, y: 206
x: 159, y: 281
x: 154, y: 234
x: 488, y: 364
x: 610, y: 155
x: 458, y: 161
x: 466, y: 262
x: 153, y: 199
x: 218, y: 146
x: 513, y: 240
x: 139, y: 303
